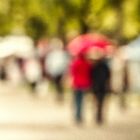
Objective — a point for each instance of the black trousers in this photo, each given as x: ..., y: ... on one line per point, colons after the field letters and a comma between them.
x: 58, y: 83
x: 100, y: 98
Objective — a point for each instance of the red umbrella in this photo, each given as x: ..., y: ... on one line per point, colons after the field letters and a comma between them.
x: 85, y: 41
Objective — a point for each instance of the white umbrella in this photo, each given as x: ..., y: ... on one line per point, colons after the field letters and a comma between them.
x: 16, y: 45
x: 132, y: 51
x: 5, y: 49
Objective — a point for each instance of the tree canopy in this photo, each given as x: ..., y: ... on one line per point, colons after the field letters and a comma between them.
x: 47, y: 18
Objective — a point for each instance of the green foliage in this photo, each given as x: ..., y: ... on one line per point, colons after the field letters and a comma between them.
x: 119, y: 18
x: 35, y: 27
x: 5, y: 27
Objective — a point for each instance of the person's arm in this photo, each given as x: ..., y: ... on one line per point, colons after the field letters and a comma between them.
x: 108, y: 78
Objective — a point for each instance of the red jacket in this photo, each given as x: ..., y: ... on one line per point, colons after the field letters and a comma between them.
x: 80, y: 71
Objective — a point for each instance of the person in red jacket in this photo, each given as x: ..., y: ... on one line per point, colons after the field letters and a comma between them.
x: 81, y: 81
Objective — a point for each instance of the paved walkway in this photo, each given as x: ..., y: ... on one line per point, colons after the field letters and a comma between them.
x: 24, y: 116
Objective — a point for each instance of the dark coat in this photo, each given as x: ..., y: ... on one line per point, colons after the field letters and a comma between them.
x: 100, y: 76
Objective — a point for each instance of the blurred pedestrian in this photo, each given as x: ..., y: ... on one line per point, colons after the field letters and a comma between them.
x: 33, y: 71
x: 42, y: 50
x: 120, y: 77
x: 3, y: 75
x: 100, y: 76
x: 56, y: 64
x: 80, y: 72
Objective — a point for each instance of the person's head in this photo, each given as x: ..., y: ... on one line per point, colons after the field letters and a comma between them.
x: 95, y: 54
x: 56, y: 44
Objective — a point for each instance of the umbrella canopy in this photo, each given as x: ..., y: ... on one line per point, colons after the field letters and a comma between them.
x: 85, y: 41
x: 16, y: 45
x: 132, y: 50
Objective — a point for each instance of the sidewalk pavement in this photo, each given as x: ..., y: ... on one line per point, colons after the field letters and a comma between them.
x: 28, y: 117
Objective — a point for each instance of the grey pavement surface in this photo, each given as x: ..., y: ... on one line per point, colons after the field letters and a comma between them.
x: 24, y: 116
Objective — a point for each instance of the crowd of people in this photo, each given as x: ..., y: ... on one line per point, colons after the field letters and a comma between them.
x: 88, y: 72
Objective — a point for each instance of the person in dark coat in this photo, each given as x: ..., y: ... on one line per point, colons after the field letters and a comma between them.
x: 100, y: 79
x: 100, y: 85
